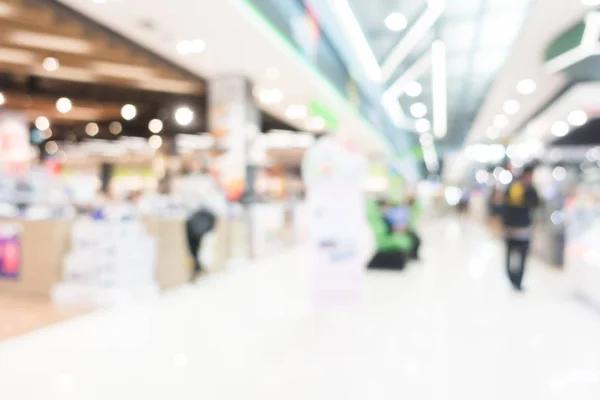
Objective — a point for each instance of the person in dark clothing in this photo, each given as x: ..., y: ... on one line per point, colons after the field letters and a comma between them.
x: 198, y: 225
x: 519, y: 201
x: 415, y: 213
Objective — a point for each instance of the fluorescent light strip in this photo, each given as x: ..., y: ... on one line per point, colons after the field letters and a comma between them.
x: 357, y: 39
x: 431, y: 159
x: 121, y: 70
x: 14, y: 56
x: 50, y: 42
x: 393, y: 109
x: 440, y: 94
x: 413, y: 73
x: 410, y: 40
x: 389, y: 99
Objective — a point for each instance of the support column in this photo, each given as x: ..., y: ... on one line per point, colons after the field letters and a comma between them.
x: 234, y: 123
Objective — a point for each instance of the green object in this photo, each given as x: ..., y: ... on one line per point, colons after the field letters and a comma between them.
x: 385, y: 241
x: 255, y: 16
x: 415, y: 213
x: 320, y: 109
x: 566, y: 41
x: 397, y: 192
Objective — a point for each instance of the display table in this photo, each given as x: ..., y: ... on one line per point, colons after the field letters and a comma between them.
x: 174, y: 263
x: 43, y: 245
x: 582, y: 260
x: 173, y: 259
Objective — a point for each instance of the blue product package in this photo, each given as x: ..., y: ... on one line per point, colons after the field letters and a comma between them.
x: 97, y: 215
x: 398, y: 217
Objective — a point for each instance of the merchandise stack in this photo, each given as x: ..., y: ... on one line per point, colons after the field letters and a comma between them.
x: 110, y: 263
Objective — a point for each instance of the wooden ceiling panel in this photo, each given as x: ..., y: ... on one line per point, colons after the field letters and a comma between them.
x: 30, y: 33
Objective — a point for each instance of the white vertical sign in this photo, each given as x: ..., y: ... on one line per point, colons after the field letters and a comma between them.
x: 334, y: 175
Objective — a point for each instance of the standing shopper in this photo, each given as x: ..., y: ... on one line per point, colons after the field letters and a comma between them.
x: 205, y: 202
x: 519, y: 201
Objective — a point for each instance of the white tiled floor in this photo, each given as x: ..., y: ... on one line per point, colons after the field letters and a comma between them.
x: 448, y: 328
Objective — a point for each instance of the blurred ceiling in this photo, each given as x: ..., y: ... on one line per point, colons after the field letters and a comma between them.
x: 253, y: 49
x: 48, y: 51
x: 534, y: 117
x: 478, y: 35
x: 38, y: 38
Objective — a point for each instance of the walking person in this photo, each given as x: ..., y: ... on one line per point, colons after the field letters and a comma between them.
x: 415, y: 212
x: 519, y: 201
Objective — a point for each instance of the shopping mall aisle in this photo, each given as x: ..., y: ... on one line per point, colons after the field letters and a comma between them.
x: 448, y: 328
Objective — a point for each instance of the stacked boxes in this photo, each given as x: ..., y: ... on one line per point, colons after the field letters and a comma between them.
x: 109, y: 262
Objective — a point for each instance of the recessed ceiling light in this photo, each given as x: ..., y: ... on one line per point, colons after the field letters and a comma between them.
x: 128, y: 112
x: 526, y: 86
x: 316, y: 123
x: 357, y: 39
x: 505, y: 177
x: 115, y: 128
x: 155, y: 126
x: 195, y: 46
x: 559, y: 173
x: 482, y: 176
x: 413, y: 89
x: 501, y: 121
x: 435, y: 3
x: 50, y: 64
x: 511, y: 107
x: 560, y: 129
x: 92, y: 129
x: 2, y: 100
x: 396, y: 22
x: 418, y: 110
x: 64, y: 105
x: 270, y: 96
x: 155, y: 142
x: 296, y: 111
x: 578, y: 118
x: 426, y: 139
x: 423, y: 125
x: 184, y: 116
x: 42, y: 123
x: 51, y: 147
x: 492, y: 133
x: 272, y: 73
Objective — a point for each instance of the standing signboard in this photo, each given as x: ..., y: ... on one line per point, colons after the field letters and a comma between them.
x: 333, y: 175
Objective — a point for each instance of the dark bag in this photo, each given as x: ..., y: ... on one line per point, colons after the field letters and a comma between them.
x: 201, y: 222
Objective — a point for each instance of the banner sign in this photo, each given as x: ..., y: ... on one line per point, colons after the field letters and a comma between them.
x: 333, y: 175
